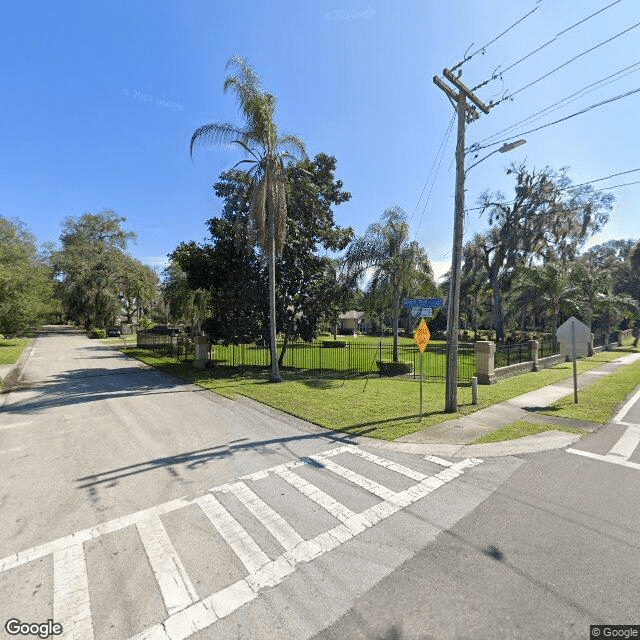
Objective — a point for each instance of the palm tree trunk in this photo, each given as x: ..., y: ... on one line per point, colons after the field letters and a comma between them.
x: 396, y: 314
x: 275, y: 371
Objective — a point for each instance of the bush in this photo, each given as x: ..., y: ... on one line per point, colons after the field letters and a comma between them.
x: 393, y: 368
x: 328, y: 344
x: 98, y: 333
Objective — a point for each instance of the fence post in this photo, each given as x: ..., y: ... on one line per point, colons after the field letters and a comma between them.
x: 534, y: 345
x: 485, y: 361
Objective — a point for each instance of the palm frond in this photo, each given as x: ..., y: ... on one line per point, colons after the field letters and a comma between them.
x: 257, y: 210
x: 215, y: 133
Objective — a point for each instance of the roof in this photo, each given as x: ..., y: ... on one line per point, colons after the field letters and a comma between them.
x: 351, y: 315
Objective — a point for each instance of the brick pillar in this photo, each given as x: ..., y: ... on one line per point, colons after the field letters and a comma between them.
x: 534, y: 345
x: 485, y: 361
x: 590, y: 345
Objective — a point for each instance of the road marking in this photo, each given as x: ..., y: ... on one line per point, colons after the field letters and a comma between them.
x: 277, y: 526
x: 42, y: 550
x: 387, y: 464
x: 176, y: 588
x: 627, y: 443
x: 436, y: 460
x: 188, y: 615
x: 627, y: 407
x: 243, y: 545
x: 71, y: 593
x: 608, y: 458
x: 370, y: 485
x: 324, y: 500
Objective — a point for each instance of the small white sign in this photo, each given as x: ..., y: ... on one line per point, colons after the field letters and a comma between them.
x: 582, y: 337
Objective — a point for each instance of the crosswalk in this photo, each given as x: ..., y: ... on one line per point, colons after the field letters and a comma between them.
x: 625, y: 447
x: 186, y: 612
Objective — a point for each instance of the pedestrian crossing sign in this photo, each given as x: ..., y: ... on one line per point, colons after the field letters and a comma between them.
x: 422, y: 335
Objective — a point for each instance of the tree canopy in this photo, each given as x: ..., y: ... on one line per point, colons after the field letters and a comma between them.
x: 26, y: 280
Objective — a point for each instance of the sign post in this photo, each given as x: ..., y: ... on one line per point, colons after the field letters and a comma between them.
x: 573, y: 354
x: 421, y: 337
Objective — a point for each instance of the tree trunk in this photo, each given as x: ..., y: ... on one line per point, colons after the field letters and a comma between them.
x: 275, y: 371
x: 497, y: 307
x: 396, y: 314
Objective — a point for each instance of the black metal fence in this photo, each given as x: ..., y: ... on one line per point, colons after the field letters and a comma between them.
x: 167, y: 345
x: 508, y: 354
x: 349, y: 357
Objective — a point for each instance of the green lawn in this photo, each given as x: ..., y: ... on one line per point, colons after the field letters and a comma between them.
x: 10, y: 350
x: 385, y: 408
x: 521, y: 429
x: 598, y: 402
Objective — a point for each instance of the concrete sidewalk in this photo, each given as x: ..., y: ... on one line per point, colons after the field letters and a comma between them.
x: 452, y: 438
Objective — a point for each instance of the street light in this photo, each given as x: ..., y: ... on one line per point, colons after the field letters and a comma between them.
x: 503, y: 149
x: 453, y: 313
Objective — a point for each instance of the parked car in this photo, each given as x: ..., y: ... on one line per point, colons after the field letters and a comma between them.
x: 113, y: 332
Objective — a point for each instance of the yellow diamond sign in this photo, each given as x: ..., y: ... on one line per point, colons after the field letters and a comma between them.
x: 422, y: 335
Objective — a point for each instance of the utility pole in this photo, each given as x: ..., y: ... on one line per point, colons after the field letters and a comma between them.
x: 466, y: 113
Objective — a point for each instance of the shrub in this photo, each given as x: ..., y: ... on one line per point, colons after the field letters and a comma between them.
x: 98, y: 333
x: 393, y: 368
x: 328, y: 344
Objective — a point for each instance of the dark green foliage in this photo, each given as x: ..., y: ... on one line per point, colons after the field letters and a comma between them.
x: 393, y: 368
x: 98, y: 333
x: 27, y: 287
x: 236, y: 276
x: 334, y: 344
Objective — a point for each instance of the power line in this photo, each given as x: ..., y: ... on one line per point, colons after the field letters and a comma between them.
x: 556, y: 105
x: 613, y: 175
x: 573, y: 26
x: 445, y: 137
x: 549, y: 124
x: 564, y: 64
x: 582, y: 184
x: 442, y: 150
x: 483, y: 48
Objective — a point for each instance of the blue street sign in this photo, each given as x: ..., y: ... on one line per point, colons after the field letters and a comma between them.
x: 421, y: 312
x: 423, y: 302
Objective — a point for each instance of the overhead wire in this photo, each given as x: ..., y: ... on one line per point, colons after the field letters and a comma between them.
x: 435, y: 175
x: 598, y: 84
x: 484, y: 47
x: 582, y: 184
x: 564, y: 64
x: 546, y: 44
x: 549, y: 124
x: 445, y: 137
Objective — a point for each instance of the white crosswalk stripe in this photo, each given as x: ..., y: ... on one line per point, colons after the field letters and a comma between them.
x: 186, y: 614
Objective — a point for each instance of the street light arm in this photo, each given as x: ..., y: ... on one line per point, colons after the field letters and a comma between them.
x: 503, y: 149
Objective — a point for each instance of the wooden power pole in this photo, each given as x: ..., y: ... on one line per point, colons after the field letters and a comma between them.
x: 466, y: 113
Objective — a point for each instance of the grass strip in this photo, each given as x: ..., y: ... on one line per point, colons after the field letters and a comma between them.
x: 521, y: 429
x: 598, y: 402
x: 11, y: 349
x: 384, y: 408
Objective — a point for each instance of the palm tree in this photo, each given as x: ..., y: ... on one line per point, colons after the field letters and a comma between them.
x: 550, y: 285
x: 268, y: 152
x: 613, y: 306
x: 393, y: 262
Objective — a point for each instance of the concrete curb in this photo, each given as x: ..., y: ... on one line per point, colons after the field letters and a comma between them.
x: 11, y: 379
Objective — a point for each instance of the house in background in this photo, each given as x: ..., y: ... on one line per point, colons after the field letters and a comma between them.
x: 351, y: 321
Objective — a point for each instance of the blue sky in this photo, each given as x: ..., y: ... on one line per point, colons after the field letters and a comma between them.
x: 100, y: 101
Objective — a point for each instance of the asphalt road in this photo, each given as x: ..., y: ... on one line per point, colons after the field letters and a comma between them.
x: 136, y: 506
x: 129, y: 508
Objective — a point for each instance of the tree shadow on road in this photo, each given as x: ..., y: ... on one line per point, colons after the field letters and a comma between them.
x: 201, y: 457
